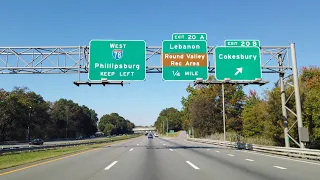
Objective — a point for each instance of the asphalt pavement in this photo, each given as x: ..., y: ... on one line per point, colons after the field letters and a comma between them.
x: 168, y: 159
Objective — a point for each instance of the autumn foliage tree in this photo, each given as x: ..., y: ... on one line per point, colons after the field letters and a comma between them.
x: 202, y: 108
x: 310, y: 85
x: 254, y: 116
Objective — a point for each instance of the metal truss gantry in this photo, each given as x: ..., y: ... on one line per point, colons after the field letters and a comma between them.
x: 75, y: 60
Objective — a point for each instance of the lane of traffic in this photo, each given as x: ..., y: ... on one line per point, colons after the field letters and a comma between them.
x: 265, y: 167
x: 78, y: 167
x: 280, y: 162
x: 154, y: 161
x: 216, y: 165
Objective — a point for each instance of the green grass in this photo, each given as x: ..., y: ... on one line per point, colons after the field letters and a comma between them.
x: 175, y: 134
x: 12, y: 160
x: 233, y: 137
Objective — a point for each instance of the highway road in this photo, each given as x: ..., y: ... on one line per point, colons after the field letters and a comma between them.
x: 167, y: 159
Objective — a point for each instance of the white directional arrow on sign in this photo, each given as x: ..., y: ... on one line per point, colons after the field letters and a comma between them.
x: 239, y: 70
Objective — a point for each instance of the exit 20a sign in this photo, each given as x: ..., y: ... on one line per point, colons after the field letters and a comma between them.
x: 189, y: 36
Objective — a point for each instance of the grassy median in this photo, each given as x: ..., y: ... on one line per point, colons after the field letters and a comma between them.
x: 11, y: 160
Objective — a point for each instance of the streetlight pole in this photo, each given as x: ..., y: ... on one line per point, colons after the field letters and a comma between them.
x: 162, y: 127
x: 167, y: 126
x: 67, y: 112
x: 223, y: 114
x: 28, y: 130
x: 67, y: 127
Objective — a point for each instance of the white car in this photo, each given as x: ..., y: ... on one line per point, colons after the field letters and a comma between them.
x: 156, y: 135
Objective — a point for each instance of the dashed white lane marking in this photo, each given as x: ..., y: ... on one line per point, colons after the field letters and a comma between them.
x: 279, y: 167
x: 137, y: 144
x: 218, y: 151
x: 192, y: 165
x: 249, y: 160
x: 170, y: 149
x: 230, y: 155
x: 131, y: 149
x: 110, y: 166
x: 208, y: 149
x: 164, y: 144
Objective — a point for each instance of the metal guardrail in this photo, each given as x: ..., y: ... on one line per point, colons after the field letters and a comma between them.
x: 26, y: 148
x: 290, y: 152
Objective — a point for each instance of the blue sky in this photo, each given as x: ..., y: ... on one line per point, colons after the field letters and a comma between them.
x: 73, y: 23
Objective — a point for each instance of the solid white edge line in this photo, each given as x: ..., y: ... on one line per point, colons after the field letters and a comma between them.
x: 249, y: 160
x: 112, y: 164
x: 279, y: 167
x: 171, y: 150
x: 290, y: 159
x: 230, y: 155
x: 218, y: 151
x: 192, y: 165
x: 131, y: 149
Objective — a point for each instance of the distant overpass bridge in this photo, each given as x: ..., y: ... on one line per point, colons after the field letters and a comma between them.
x: 144, y: 129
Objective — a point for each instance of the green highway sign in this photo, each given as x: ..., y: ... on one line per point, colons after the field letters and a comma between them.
x: 242, y: 43
x: 184, y: 60
x: 117, y: 60
x: 189, y: 36
x: 238, y: 63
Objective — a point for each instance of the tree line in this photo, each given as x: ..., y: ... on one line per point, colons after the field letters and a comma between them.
x: 25, y: 115
x: 169, y: 119
x: 251, y: 117
x: 113, y: 124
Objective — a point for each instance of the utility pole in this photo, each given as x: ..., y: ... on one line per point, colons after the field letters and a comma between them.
x: 223, y: 114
